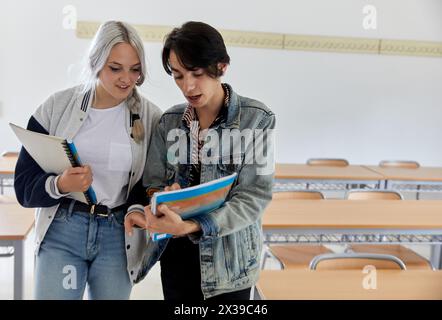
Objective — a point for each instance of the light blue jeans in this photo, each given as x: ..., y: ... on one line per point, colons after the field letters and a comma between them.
x: 80, y: 249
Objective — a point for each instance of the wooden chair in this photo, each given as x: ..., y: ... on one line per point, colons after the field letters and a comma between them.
x: 295, y: 256
x: 411, y: 259
x: 406, y: 164
x: 402, y: 164
x: 300, y: 195
x: 348, y: 261
x: 9, y: 154
x: 327, y: 162
x: 356, y: 194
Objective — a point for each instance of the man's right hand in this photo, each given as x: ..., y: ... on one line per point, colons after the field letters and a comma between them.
x: 77, y: 179
x: 173, y: 187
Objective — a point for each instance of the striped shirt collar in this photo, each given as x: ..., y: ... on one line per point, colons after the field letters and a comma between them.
x: 190, y: 114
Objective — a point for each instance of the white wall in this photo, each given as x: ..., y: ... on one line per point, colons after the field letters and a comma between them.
x: 361, y: 107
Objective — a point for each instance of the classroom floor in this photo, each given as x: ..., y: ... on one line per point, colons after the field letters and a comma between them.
x: 148, y: 289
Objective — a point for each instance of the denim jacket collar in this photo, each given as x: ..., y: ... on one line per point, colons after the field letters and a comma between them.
x: 233, y: 113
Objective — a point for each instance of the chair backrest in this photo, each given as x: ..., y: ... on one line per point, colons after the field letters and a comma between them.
x: 349, y: 261
x: 299, y: 195
x: 406, y: 164
x: 327, y: 162
x: 373, y: 195
x: 9, y: 154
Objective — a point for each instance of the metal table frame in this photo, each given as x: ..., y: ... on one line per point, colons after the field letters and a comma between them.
x: 324, y: 184
x: 414, y: 186
x: 19, y: 259
x: 4, y: 177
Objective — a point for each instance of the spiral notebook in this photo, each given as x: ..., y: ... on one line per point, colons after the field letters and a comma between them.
x: 193, y: 201
x: 54, y: 155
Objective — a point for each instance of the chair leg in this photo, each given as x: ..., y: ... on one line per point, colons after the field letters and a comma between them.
x: 267, y: 253
x: 263, y: 261
x: 254, y: 294
x: 264, y: 255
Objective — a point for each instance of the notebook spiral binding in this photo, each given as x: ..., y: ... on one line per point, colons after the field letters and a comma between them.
x: 74, y: 163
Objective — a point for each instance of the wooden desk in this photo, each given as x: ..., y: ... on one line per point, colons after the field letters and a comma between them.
x: 7, y: 168
x: 15, y: 224
x: 361, y: 214
x: 433, y: 174
x: 8, y: 199
x: 348, y: 284
x: 7, y: 165
x: 306, y: 174
x: 407, y: 218
x: 422, y: 179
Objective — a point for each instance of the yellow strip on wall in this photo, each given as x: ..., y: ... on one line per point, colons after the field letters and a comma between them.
x: 411, y: 48
x: 332, y: 44
x: 268, y: 40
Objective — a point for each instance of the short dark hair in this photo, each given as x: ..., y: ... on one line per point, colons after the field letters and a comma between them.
x: 197, y: 45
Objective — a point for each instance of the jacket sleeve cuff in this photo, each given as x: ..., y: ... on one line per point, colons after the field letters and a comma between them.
x: 136, y: 208
x: 52, y: 189
x: 208, y: 228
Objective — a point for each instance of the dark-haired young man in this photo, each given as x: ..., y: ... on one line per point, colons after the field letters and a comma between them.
x: 214, y: 255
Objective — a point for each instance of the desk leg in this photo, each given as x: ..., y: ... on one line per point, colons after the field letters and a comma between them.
x: 417, y: 192
x: 436, y: 256
x: 18, y: 269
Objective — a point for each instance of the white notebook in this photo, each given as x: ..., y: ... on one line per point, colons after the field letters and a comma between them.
x: 54, y: 155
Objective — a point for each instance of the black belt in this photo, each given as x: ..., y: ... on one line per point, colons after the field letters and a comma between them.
x: 97, y: 209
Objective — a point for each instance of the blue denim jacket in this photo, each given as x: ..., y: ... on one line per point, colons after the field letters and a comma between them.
x: 230, y: 241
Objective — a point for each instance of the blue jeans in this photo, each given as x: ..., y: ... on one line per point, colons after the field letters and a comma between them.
x: 80, y: 249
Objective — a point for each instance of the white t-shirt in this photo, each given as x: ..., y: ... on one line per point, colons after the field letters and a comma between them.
x: 104, y: 144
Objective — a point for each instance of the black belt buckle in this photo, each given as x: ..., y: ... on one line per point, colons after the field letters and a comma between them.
x: 92, y: 212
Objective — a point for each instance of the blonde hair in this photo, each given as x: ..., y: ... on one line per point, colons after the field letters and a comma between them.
x: 108, y: 35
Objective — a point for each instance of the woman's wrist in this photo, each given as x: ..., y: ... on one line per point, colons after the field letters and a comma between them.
x: 59, y: 185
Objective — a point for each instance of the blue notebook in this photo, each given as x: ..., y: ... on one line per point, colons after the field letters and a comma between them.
x: 74, y: 157
x: 193, y: 201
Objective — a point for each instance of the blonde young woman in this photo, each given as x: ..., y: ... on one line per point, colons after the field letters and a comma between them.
x: 110, y: 124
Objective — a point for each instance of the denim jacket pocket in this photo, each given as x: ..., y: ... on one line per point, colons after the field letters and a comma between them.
x: 239, y: 255
x: 251, y: 239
